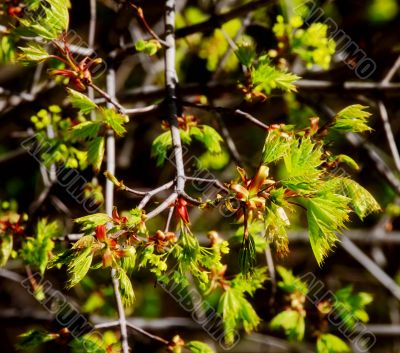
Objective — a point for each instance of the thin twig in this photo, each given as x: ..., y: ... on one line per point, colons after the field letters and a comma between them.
x: 148, y: 334
x: 154, y: 192
x: 140, y: 14
x: 108, y: 98
x: 389, y: 134
x: 388, y: 77
x: 142, y: 110
x: 371, y: 266
x: 168, y: 222
x: 225, y: 111
x: 163, y: 206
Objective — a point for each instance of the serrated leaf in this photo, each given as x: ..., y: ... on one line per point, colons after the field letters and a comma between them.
x: 35, y: 251
x: 362, y: 201
x: 209, y: 137
x: 351, y: 306
x: 328, y: 343
x: 33, y: 52
x: 51, y: 21
x: 160, y: 146
x: 302, y: 161
x: 236, y: 311
x: 125, y: 285
x: 326, y: 215
x: 96, y: 152
x: 291, y: 283
x: 292, y: 322
x: 115, y: 120
x: 353, y: 118
x: 81, y: 101
x: 250, y: 282
x: 199, y: 347
x: 276, y: 147
x: 90, y: 222
x: 86, y: 130
x: 265, y: 77
x: 80, y: 264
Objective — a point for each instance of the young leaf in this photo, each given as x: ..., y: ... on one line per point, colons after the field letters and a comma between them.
x: 199, y: 347
x: 160, y: 147
x: 36, y: 250
x: 86, y: 130
x: 276, y: 147
x: 301, y: 165
x: 115, y: 120
x: 33, y: 52
x: 6, y: 246
x: 362, y: 201
x: 351, y: 307
x: 290, y: 283
x: 127, y: 293
x: 353, y: 118
x: 32, y: 339
x: 96, y: 152
x: 247, y: 255
x: 81, y: 101
x: 328, y: 343
x: 326, y: 215
x: 80, y: 264
x: 209, y: 137
x: 90, y: 222
x: 236, y: 311
x: 292, y: 322
x: 265, y: 77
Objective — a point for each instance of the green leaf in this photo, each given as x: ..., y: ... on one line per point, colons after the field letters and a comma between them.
x: 246, y: 54
x: 125, y: 284
x: 199, y: 347
x: 115, y: 120
x: 33, y: 52
x: 209, y: 137
x: 87, y: 344
x: 342, y: 158
x: 351, y: 306
x: 96, y: 152
x: 90, y: 222
x: 326, y: 215
x: 328, y: 343
x: 81, y: 101
x: 236, y: 311
x: 7, y: 49
x: 292, y: 322
x: 6, y: 246
x: 32, y: 339
x: 291, y: 283
x: 81, y: 261
x: 301, y: 165
x: 353, y: 118
x: 36, y: 250
x: 265, y: 77
x: 51, y: 21
x: 362, y: 201
x: 276, y: 147
x: 86, y: 130
x: 247, y: 255
x: 250, y: 282
x: 160, y: 146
